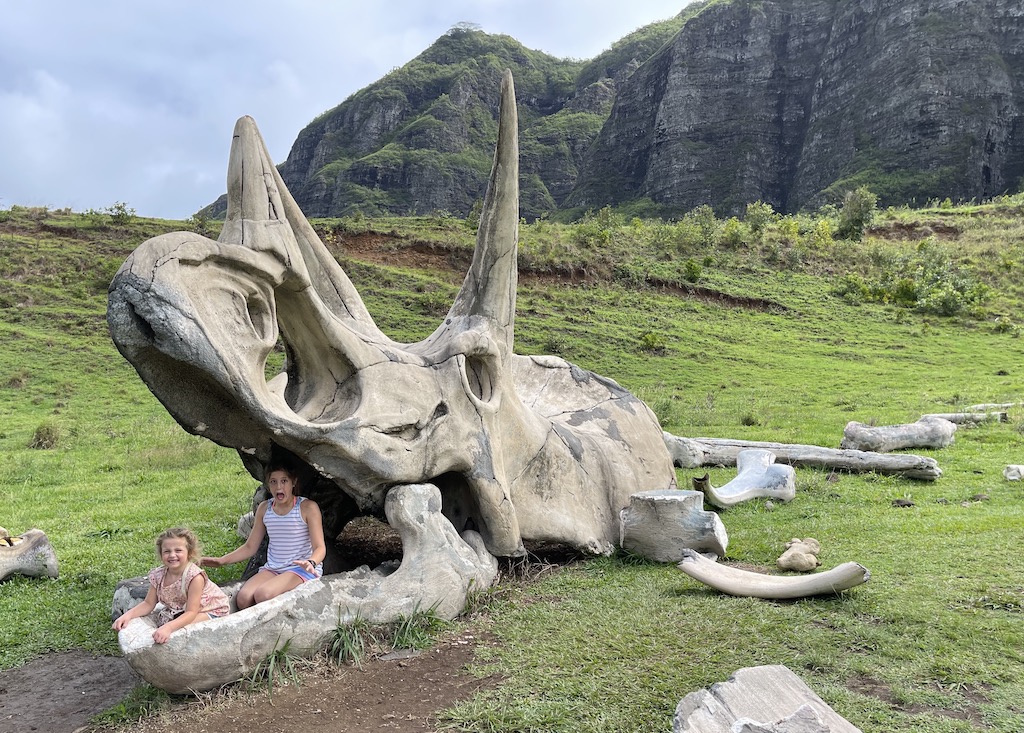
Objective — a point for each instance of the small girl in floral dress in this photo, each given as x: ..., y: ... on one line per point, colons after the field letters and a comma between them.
x: 183, y: 588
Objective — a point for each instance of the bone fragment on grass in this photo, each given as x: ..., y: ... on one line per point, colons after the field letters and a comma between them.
x: 659, y: 525
x: 697, y: 452
x: 927, y: 432
x: 970, y: 418
x: 801, y: 555
x: 758, y: 476
x: 29, y: 554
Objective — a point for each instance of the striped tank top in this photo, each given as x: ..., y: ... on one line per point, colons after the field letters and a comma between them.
x: 289, y: 537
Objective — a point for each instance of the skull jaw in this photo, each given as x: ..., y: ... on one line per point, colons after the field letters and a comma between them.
x: 439, y: 569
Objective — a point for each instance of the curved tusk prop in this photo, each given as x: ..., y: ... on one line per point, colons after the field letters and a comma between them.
x: 755, y: 585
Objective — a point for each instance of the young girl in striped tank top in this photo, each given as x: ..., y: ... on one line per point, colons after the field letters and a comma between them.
x: 296, y: 549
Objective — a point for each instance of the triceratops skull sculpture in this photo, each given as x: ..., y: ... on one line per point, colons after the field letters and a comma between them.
x: 522, y: 448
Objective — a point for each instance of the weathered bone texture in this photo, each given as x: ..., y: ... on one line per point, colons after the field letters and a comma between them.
x: 801, y: 555
x: 804, y: 720
x: 521, y: 448
x: 928, y: 432
x: 758, y: 476
x: 737, y: 582
x: 770, y: 693
x: 29, y: 554
x: 659, y: 525
x: 438, y: 569
x: 969, y: 418
x: 696, y: 452
x: 1013, y: 472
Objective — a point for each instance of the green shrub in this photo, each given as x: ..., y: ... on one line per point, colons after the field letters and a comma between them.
x: 821, y: 236
x: 692, y: 271
x: 279, y: 667
x: 858, y: 209
x: 120, y: 214
x: 703, y: 218
x: 927, y: 280
x: 852, y: 288
x: 789, y: 229
x: 759, y: 216
x: 419, y: 630
x: 733, y: 233
x: 349, y: 641
x: 652, y: 343
x: 199, y: 223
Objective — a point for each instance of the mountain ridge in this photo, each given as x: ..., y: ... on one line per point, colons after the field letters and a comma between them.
x: 790, y: 102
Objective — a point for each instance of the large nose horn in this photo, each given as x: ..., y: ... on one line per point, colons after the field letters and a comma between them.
x: 489, y: 289
x: 263, y: 216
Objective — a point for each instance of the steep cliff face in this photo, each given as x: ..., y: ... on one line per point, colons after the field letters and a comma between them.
x: 718, y: 116
x: 918, y: 99
x: 795, y: 101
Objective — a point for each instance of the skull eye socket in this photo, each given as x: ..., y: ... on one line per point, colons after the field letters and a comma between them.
x: 478, y: 374
x: 259, y: 316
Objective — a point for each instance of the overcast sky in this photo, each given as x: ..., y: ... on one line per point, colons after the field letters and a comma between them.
x: 135, y: 100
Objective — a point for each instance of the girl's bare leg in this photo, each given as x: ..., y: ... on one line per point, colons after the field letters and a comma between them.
x: 276, y: 586
x: 247, y: 594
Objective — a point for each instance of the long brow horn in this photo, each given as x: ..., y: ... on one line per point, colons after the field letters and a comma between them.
x: 262, y: 215
x: 489, y: 289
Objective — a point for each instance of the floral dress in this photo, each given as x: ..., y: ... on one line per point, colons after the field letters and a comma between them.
x: 174, y: 595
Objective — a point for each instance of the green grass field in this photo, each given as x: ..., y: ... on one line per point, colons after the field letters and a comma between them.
x: 934, y: 642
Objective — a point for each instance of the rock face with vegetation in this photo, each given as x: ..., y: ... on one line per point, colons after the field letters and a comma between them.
x: 791, y: 102
x: 794, y: 102
x: 420, y: 139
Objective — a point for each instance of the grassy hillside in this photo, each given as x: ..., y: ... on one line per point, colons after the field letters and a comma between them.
x: 763, y: 327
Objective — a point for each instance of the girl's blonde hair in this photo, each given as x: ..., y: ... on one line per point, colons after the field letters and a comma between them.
x: 181, y: 533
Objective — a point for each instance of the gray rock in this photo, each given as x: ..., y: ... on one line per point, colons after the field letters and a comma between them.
x: 804, y: 720
x: 769, y: 693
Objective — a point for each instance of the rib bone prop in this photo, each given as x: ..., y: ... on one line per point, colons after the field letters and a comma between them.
x: 928, y: 432
x: 696, y: 452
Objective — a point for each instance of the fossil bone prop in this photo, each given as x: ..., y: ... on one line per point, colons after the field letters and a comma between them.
x: 520, y: 448
x: 29, y: 554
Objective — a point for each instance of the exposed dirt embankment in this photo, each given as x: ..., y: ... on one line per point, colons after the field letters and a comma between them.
x: 398, y: 251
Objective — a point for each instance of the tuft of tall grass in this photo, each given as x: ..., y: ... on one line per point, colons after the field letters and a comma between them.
x: 278, y: 668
